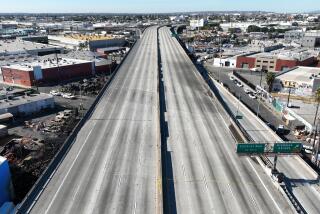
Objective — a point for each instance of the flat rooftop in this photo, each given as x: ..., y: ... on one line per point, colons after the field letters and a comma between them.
x: 18, y: 45
x: 300, y: 74
x: 17, y: 101
x: 46, y: 63
x: 299, y: 54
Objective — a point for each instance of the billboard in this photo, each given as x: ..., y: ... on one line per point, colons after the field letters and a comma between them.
x: 196, y: 23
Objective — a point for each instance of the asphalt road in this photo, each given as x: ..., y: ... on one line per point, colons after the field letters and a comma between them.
x: 114, y: 163
x: 265, y: 113
x: 302, y: 180
x: 204, y: 175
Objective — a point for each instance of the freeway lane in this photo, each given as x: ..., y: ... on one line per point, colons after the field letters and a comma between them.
x: 114, y: 164
x: 305, y: 185
x: 207, y: 175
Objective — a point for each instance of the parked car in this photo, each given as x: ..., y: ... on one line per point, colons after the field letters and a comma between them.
x: 231, y: 78
x: 68, y: 96
x: 252, y: 96
x: 247, y: 90
x: 55, y: 93
x: 239, y: 84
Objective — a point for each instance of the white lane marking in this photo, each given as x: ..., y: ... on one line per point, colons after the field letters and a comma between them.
x: 65, y: 177
x: 270, y: 195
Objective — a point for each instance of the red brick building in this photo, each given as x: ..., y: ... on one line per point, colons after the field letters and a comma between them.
x: 279, y: 60
x: 246, y: 62
x: 46, y: 71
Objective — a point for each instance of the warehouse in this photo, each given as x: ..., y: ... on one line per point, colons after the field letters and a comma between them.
x: 279, y: 60
x: 26, y: 105
x: 19, y: 46
x: 304, y: 80
x: 46, y: 71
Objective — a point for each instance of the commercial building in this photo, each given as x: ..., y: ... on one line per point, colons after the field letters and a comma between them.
x: 303, y: 80
x: 14, y: 47
x: 26, y: 105
x: 292, y: 35
x: 311, y: 39
x: 91, y: 42
x: 279, y: 60
x: 265, y: 45
x: 46, y: 71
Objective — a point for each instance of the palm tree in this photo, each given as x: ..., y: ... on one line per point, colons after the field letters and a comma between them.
x: 317, y: 99
x: 270, y: 77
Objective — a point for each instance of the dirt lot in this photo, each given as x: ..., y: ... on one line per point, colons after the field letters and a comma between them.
x: 34, y: 140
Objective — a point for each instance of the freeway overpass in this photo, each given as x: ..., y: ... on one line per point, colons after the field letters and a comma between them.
x: 114, y: 164
x: 206, y: 175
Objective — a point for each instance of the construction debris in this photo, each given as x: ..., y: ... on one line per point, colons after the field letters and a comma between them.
x: 56, y: 125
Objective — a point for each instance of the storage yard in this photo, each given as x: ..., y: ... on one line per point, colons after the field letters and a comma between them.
x: 31, y: 140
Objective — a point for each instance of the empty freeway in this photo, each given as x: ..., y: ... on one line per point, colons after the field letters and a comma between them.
x: 114, y: 163
x: 207, y: 176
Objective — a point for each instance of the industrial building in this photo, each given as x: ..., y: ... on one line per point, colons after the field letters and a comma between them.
x: 14, y: 47
x: 279, y: 60
x: 27, y: 104
x: 46, y: 71
x: 311, y: 39
x: 91, y: 42
x: 304, y: 80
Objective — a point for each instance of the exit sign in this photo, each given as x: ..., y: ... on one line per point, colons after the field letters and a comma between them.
x: 250, y: 148
x: 290, y: 147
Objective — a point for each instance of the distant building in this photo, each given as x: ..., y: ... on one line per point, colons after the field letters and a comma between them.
x: 292, y: 35
x: 265, y: 45
x: 311, y: 39
x: 19, y: 46
x: 88, y: 42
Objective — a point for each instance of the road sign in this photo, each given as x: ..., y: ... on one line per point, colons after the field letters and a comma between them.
x: 250, y: 148
x: 291, y: 147
x: 239, y: 117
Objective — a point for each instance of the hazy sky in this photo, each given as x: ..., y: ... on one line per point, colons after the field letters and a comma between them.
x: 151, y: 6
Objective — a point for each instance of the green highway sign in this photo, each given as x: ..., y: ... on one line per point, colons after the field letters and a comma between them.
x: 239, y: 117
x: 291, y: 147
x: 250, y: 148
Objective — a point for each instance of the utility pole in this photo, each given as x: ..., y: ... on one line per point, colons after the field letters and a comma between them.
x: 261, y: 77
x: 315, y: 117
x: 258, y: 110
x: 315, y: 146
x: 289, y: 96
x: 220, y: 59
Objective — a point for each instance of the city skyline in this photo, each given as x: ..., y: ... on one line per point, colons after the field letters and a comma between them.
x: 156, y: 6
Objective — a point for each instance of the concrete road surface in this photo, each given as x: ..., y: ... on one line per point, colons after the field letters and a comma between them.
x: 303, y: 180
x: 114, y: 164
x: 204, y: 175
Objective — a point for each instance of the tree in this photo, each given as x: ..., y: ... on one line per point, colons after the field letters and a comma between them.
x: 253, y: 28
x: 270, y: 79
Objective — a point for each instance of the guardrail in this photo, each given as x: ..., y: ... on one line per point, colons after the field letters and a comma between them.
x: 31, y: 198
